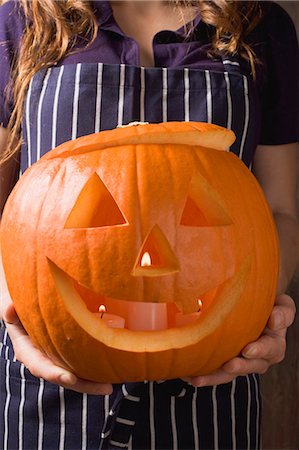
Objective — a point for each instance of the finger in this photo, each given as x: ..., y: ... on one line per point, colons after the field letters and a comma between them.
x: 10, y: 315
x: 37, y: 362
x: 283, y: 313
x: 15, y: 330
x: 217, y: 377
x: 270, y: 347
x: 41, y: 366
x: 240, y: 366
x: 92, y: 388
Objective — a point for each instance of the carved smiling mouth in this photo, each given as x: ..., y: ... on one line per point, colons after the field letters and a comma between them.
x: 69, y: 288
x: 83, y: 304
x: 140, y: 315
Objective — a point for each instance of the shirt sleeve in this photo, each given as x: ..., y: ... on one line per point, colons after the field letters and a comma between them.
x: 280, y: 90
x: 11, y: 29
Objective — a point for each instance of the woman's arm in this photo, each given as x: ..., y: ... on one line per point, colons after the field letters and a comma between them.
x: 276, y: 170
x: 8, y: 170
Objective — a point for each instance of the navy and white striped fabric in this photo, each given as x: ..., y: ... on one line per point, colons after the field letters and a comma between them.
x: 74, y: 100
x: 122, y: 94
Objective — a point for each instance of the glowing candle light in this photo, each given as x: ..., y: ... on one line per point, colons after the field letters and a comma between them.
x: 112, y: 320
x: 184, y: 319
x: 147, y: 316
x: 102, y: 310
x: 146, y: 260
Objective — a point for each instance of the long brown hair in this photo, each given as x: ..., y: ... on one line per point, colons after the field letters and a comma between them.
x: 53, y: 28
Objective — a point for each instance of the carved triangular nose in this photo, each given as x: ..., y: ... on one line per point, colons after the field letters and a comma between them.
x: 156, y: 257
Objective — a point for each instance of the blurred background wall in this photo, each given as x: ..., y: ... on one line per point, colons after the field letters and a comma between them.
x: 280, y: 386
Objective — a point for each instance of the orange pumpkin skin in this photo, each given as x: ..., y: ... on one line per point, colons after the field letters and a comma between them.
x: 75, y: 227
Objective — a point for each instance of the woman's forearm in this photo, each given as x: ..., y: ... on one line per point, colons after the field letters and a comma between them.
x: 288, y: 233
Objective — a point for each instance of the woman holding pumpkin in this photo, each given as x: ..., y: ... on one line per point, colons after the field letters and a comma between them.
x: 76, y: 67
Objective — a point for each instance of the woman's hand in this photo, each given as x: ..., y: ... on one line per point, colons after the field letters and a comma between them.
x: 257, y: 356
x: 40, y: 365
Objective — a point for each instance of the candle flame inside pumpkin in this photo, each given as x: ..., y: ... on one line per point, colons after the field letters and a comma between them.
x: 146, y: 260
x: 199, y: 304
x: 102, y: 310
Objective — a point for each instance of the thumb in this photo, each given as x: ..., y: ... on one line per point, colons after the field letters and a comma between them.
x: 10, y: 316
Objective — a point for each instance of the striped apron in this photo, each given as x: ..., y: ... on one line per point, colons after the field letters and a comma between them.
x: 63, y: 103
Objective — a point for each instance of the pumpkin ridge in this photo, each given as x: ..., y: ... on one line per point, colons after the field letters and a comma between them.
x: 44, y: 332
x: 39, y: 245
x: 271, y: 228
x: 138, y: 208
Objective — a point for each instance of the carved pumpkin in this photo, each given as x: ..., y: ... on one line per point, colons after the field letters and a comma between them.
x: 79, y: 223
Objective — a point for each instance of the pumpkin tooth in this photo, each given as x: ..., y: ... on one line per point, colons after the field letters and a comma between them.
x: 192, y: 306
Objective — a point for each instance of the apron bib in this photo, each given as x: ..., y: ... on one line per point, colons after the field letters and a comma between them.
x: 70, y: 101
x: 64, y: 103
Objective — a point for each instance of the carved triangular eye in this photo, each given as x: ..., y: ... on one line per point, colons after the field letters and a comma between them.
x: 203, y: 207
x: 192, y: 216
x: 95, y: 207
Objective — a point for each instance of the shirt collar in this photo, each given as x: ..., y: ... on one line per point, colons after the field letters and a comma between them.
x: 105, y: 19
x: 103, y: 11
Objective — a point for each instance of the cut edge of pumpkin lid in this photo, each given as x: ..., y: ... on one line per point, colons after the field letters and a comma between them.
x: 188, y: 133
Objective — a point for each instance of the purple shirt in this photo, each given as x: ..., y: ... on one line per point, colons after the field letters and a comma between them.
x: 274, y: 41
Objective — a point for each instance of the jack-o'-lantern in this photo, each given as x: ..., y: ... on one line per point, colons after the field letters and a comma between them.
x: 157, y: 225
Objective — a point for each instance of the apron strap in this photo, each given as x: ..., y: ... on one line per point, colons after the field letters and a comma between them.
x: 131, y: 398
